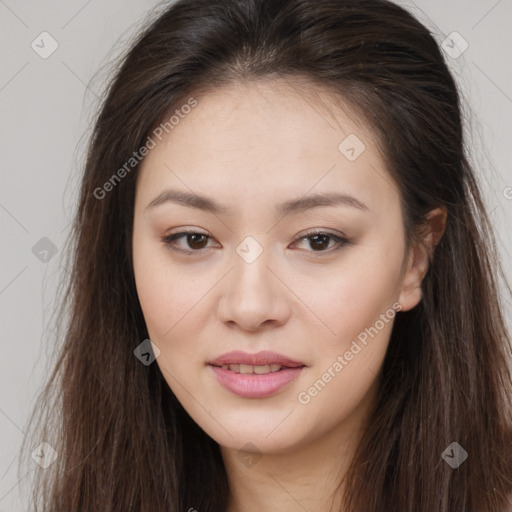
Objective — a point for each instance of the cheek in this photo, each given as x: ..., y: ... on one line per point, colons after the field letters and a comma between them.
x: 347, y: 363
x: 354, y: 296
x: 175, y: 306
x: 172, y: 327
x: 356, y: 304
x: 163, y: 295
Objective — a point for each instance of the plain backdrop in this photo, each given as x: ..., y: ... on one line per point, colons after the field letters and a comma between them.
x: 46, y: 106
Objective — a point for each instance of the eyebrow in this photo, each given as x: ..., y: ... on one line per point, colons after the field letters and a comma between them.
x: 193, y: 200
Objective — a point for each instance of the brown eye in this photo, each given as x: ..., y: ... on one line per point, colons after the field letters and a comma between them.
x: 194, y: 241
x: 321, y: 241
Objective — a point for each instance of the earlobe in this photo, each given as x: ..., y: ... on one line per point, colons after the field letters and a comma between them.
x: 417, y: 267
x: 420, y: 257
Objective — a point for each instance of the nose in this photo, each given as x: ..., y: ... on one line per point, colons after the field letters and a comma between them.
x: 253, y: 296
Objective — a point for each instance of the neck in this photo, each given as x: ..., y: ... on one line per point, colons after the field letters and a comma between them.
x: 305, y: 477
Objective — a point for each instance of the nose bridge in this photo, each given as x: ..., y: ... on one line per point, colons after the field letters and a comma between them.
x: 252, y: 295
x: 251, y: 273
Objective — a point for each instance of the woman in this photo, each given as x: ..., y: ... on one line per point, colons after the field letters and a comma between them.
x: 284, y: 291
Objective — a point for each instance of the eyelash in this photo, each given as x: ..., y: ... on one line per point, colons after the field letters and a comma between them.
x: 169, y: 239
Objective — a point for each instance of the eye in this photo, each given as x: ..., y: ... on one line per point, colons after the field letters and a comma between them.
x: 194, y: 240
x: 320, y: 241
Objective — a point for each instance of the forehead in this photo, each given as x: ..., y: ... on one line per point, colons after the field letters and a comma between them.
x: 270, y: 137
x: 280, y: 113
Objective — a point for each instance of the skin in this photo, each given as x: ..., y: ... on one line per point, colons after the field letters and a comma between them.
x: 250, y: 146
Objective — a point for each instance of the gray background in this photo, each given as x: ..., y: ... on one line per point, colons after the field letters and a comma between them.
x: 46, y: 106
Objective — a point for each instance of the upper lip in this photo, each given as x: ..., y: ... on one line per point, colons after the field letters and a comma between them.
x: 259, y: 359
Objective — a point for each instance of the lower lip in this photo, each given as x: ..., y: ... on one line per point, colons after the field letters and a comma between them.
x: 253, y: 385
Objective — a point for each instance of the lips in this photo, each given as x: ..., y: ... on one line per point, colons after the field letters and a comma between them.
x: 254, y: 385
x: 258, y: 375
x: 264, y: 358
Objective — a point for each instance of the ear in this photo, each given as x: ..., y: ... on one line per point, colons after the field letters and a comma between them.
x: 419, y: 257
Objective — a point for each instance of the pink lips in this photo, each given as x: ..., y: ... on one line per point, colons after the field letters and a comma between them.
x: 255, y: 385
x: 259, y: 359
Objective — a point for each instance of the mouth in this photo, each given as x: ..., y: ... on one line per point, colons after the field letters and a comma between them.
x: 259, y: 375
x: 259, y: 363
x: 248, y: 369
x: 256, y: 380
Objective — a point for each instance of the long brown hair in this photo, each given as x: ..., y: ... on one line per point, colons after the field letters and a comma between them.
x: 124, y: 442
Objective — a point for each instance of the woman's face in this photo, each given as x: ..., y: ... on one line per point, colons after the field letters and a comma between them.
x: 254, y: 171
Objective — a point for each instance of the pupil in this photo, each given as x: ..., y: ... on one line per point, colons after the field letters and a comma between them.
x: 193, y: 239
x: 314, y: 241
